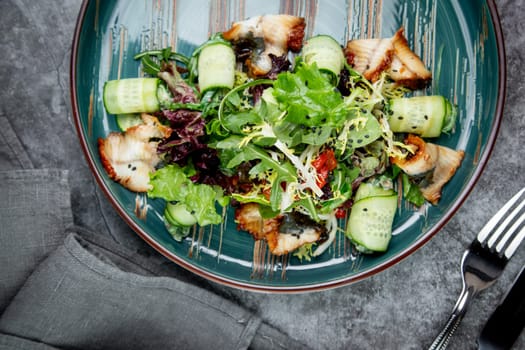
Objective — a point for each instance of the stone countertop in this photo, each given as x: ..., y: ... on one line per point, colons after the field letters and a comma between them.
x: 401, y: 308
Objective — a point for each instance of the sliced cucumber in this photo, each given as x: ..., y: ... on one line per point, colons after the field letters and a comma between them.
x: 366, y: 189
x: 125, y: 121
x: 216, y: 67
x: 371, y: 217
x: 128, y: 96
x: 177, y: 214
x: 422, y: 115
x: 370, y: 222
x: 326, y: 52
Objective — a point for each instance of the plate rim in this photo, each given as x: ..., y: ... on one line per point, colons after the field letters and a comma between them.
x: 482, y: 162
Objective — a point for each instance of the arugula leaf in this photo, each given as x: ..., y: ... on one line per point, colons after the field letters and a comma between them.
x: 411, y: 191
x: 232, y: 97
x: 151, y: 59
x: 396, y: 170
x: 267, y: 212
x: 295, y: 134
x: 238, y: 123
x: 279, y: 172
x: 341, y: 188
x: 150, y: 66
x: 308, y: 205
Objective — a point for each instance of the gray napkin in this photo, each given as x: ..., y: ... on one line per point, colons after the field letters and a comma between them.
x: 89, y: 295
x: 67, y: 287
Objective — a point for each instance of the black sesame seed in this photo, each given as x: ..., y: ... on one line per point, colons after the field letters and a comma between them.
x: 414, y: 127
x: 367, y: 136
x: 400, y: 118
x: 365, y: 209
x: 134, y: 168
x: 426, y: 117
x: 359, y: 141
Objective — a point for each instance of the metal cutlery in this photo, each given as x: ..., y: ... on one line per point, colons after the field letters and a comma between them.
x: 485, y: 258
x: 508, y: 319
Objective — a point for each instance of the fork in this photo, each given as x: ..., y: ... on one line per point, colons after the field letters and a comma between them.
x: 485, y: 258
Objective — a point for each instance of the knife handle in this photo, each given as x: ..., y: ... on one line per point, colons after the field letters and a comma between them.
x: 508, y: 320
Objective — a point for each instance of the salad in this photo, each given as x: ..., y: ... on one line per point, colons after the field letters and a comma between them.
x: 302, y: 136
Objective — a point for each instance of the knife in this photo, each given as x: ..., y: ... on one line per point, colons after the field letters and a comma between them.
x: 508, y: 320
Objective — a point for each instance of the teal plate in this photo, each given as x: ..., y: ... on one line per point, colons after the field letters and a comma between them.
x: 460, y: 41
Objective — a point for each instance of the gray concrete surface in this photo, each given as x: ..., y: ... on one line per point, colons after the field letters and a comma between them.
x: 401, y: 308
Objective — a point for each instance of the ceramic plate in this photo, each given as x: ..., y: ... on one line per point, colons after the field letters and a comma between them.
x: 460, y: 41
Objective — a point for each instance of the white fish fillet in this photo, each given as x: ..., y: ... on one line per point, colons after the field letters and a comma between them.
x: 279, y: 243
x: 280, y: 33
x: 129, y: 157
x: 441, y: 161
x: 372, y: 57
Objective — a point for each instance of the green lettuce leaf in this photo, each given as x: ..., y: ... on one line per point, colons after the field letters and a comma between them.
x: 172, y: 184
x: 309, y: 98
x: 169, y: 183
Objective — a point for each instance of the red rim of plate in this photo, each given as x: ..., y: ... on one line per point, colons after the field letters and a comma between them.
x: 318, y: 286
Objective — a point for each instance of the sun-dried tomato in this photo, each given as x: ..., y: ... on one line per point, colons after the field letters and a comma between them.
x: 324, y: 164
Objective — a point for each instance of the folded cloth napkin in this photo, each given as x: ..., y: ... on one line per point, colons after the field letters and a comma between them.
x: 88, y: 294
x: 66, y: 287
x: 34, y: 212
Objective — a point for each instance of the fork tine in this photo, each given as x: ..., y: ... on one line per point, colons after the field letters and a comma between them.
x: 511, y: 249
x: 493, y: 223
x: 504, y: 226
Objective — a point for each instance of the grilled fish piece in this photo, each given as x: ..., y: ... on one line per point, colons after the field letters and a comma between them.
x: 249, y: 219
x: 371, y: 57
x: 421, y: 161
x: 284, y: 233
x: 129, y: 157
x: 279, y: 33
x: 437, y: 163
x: 448, y: 162
x: 406, y: 68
